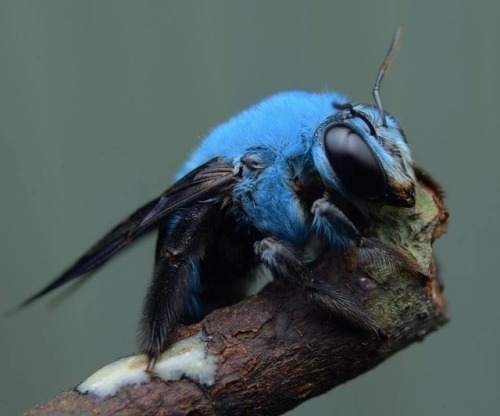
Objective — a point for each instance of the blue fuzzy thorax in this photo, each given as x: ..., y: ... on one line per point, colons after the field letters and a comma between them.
x: 283, y: 133
x: 283, y: 123
x: 278, y: 131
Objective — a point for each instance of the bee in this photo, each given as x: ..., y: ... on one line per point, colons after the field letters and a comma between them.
x: 296, y: 165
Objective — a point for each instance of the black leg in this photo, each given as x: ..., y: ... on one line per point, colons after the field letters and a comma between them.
x: 286, y: 266
x: 165, y: 304
x: 177, y: 257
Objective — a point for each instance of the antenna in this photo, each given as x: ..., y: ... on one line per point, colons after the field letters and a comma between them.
x: 393, y: 50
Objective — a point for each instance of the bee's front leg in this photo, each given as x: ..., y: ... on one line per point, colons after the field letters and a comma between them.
x: 333, y: 227
x: 286, y: 265
x: 335, y: 230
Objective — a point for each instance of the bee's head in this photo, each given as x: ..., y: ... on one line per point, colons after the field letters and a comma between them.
x: 362, y: 152
x: 365, y: 156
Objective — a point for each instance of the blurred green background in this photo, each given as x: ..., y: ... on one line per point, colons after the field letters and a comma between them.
x: 101, y: 101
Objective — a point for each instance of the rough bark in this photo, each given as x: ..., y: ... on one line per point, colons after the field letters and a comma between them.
x: 276, y: 350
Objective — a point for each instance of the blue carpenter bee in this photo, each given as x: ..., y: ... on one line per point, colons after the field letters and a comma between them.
x: 295, y: 165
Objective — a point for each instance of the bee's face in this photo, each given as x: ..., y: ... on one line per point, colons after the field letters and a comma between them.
x: 359, y: 156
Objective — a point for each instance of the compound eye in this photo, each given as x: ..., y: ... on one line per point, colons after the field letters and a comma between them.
x: 354, y: 163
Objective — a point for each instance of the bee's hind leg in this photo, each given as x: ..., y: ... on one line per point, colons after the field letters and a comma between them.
x: 181, y: 245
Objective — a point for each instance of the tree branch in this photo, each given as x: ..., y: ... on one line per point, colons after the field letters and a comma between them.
x: 275, y: 350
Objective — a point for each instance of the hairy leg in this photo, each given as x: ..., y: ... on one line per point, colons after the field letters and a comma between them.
x: 286, y: 265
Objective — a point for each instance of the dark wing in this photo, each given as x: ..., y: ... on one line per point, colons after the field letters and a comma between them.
x: 214, y: 179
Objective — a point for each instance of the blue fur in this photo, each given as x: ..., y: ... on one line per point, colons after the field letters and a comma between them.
x: 283, y: 123
x: 283, y: 130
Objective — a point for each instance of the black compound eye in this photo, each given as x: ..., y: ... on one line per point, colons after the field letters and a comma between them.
x: 354, y: 163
